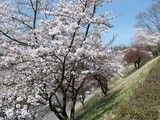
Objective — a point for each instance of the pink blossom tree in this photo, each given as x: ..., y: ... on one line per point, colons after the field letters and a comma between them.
x: 148, y: 27
x: 136, y: 54
x: 146, y: 38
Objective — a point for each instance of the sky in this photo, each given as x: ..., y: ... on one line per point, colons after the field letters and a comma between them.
x: 124, y: 24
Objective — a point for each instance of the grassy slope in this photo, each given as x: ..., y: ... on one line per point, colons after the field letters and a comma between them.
x: 144, y: 103
x: 99, y: 106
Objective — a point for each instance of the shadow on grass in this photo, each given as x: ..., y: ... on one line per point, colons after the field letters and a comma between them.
x: 97, y: 106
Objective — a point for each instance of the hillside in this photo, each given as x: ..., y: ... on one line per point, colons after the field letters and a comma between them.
x: 144, y: 103
x: 121, y: 92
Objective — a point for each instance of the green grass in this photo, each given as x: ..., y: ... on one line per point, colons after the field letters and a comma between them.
x: 144, y: 104
x: 99, y: 106
x: 95, y: 107
x: 129, y: 70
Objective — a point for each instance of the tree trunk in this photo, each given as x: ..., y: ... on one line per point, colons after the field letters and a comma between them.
x: 64, y: 113
x: 74, y: 98
x: 82, y: 99
x: 135, y: 65
x: 103, y: 85
x: 72, y: 114
x: 54, y: 110
x: 104, y: 90
x: 138, y: 62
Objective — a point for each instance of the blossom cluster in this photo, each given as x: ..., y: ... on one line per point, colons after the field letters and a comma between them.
x: 41, y: 55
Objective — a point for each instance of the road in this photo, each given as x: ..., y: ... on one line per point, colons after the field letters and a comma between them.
x: 50, y: 116
x: 1, y: 118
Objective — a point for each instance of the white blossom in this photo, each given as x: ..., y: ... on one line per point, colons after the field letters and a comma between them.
x: 55, y: 49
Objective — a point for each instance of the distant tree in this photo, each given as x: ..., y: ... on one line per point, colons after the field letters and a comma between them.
x: 136, y: 54
x: 148, y: 28
x: 120, y: 47
x: 150, y: 40
x: 150, y: 19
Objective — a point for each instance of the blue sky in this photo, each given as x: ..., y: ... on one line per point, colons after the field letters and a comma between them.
x: 124, y: 24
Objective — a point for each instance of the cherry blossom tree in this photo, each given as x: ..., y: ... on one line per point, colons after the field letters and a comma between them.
x: 49, y: 51
x: 136, y: 54
x: 146, y: 38
x: 21, y: 18
x: 148, y: 28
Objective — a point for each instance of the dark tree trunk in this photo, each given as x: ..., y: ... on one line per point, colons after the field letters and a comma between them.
x: 72, y: 114
x: 138, y: 62
x: 64, y: 113
x: 82, y: 99
x: 53, y: 109
x: 153, y: 51
x: 103, y: 83
x: 73, y: 100
x: 135, y: 65
x: 104, y: 89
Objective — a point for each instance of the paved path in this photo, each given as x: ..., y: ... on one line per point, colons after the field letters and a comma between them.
x: 1, y: 118
x: 50, y: 116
